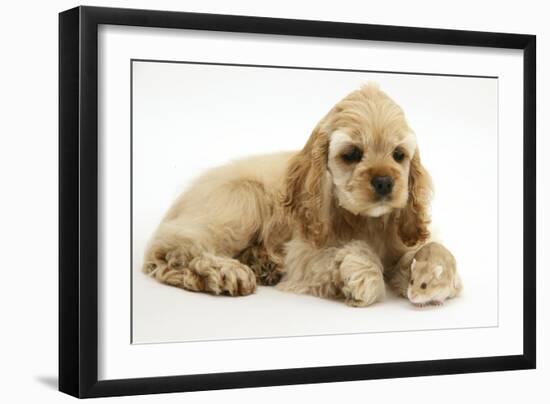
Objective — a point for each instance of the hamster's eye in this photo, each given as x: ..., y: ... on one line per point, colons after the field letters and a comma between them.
x: 412, y: 281
x: 353, y: 155
x: 423, y: 286
x: 398, y: 155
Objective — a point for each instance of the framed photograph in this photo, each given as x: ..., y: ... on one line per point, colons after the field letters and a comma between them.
x: 249, y: 201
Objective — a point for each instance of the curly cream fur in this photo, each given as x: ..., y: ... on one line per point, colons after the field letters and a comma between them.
x: 305, y: 216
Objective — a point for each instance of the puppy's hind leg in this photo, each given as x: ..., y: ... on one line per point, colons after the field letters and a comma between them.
x: 188, y: 267
x: 196, y: 244
x: 195, y: 248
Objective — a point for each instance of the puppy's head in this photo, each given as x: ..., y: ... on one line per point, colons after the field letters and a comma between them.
x: 365, y: 156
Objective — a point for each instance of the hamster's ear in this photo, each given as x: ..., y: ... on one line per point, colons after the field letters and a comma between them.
x: 413, y: 263
x: 438, y: 270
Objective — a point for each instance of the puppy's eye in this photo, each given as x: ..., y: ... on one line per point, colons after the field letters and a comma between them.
x: 353, y: 155
x: 398, y: 155
x: 423, y: 286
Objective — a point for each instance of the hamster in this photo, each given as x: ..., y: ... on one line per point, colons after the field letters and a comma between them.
x: 433, y: 276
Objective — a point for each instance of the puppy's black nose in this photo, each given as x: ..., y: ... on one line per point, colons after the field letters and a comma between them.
x: 382, y: 185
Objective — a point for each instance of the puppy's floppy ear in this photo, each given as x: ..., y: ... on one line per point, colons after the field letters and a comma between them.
x: 413, y: 220
x: 303, y: 196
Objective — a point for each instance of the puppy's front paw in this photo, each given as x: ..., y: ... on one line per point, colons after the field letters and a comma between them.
x: 363, y: 282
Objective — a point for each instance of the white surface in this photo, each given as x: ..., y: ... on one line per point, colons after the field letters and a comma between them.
x: 272, y: 313
x: 119, y: 359
x: 28, y: 157
x: 187, y: 118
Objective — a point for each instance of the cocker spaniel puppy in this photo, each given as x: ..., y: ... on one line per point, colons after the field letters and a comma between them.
x: 333, y: 219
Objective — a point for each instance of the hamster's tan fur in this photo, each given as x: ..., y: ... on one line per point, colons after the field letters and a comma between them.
x: 433, y: 276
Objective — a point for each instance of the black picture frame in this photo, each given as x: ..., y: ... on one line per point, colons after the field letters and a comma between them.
x: 78, y: 200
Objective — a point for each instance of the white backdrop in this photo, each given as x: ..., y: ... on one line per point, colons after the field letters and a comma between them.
x: 189, y: 117
x: 28, y: 162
